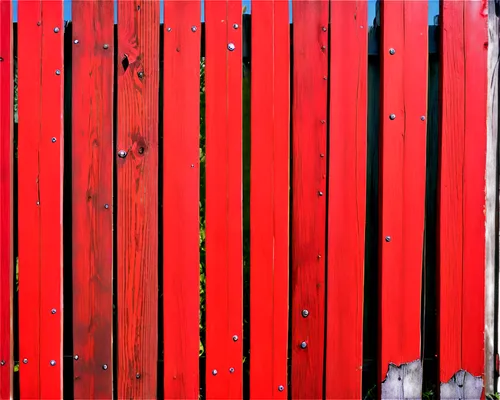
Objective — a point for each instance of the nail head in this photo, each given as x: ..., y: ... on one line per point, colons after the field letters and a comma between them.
x: 105, y: 46
x: 25, y: 361
x: 303, y: 345
x: 323, y: 28
x: 320, y: 194
x: 235, y: 338
x: 122, y: 154
x: 169, y: 29
x: 53, y: 311
x: 105, y: 367
x: 236, y: 26
x: 392, y: 117
x: 387, y: 239
x: 2, y: 363
x: 138, y: 376
x: 58, y: 72
x: 281, y: 388
x: 52, y: 363
x: 76, y: 357
x: 305, y: 313
x: 214, y: 372
x: 422, y: 118
x: 54, y: 140
x: 56, y: 29
x: 106, y: 206
x: 392, y: 51
x: 231, y: 46
x: 194, y: 28
x: 76, y: 41
x: 231, y: 370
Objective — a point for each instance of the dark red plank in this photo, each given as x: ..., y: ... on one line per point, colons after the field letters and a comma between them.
x: 40, y: 55
x: 6, y: 210
x: 224, y: 262
x: 181, y: 272
x: 346, y: 198
x: 404, y: 57
x: 137, y: 202
x: 310, y: 84
x: 269, y: 193
x: 92, y: 151
x: 463, y: 79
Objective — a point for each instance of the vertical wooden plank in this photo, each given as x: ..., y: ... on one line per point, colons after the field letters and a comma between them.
x: 40, y: 150
x: 137, y: 220
x: 6, y: 210
x: 92, y: 193
x: 181, y: 276
x: 310, y: 84
x: 269, y: 193
x: 346, y: 197
x: 224, y: 243
x: 404, y: 55
x: 462, y: 188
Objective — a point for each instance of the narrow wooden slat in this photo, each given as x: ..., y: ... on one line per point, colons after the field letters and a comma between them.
x: 310, y: 84
x: 461, y: 189
x: 6, y: 209
x: 224, y: 295
x: 137, y: 202
x: 40, y: 55
x: 346, y: 197
x: 92, y: 192
x: 181, y: 277
x: 269, y: 195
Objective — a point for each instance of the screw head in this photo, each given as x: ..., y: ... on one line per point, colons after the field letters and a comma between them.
x: 37, y: 203
x: 214, y: 372
x: 58, y: 72
x: 320, y: 193
x: 325, y: 78
x: 235, y: 338
x: 56, y: 29
x: 138, y: 376
x: 321, y: 155
x: 106, y: 206
x: 192, y: 165
x: 281, y: 388
x: 54, y: 140
x: 194, y: 28
x: 76, y: 41
x: 105, y: 46
x: 53, y: 311
x: 105, y: 367
x: 52, y: 363
x: 2, y: 363
x: 322, y: 121
x: 323, y: 28
x: 76, y: 357
x: 305, y: 313
x: 231, y: 370
x: 39, y: 23
x: 387, y: 239
x: 392, y: 51
x: 231, y: 46
x: 392, y: 117
x: 25, y: 361
x: 169, y: 29
x: 422, y: 118
x: 1, y: 59
x: 140, y: 74
x: 323, y: 47
x: 122, y: 154
x: 235, y: 26
x: 303, y: 345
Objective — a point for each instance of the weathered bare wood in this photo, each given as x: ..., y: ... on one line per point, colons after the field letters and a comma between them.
x: 403, y: 381
x: 462, y: 386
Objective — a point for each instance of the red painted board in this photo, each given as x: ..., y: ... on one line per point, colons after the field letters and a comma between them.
x: 346, y: 197
x: 181, y: 182
x: 309, y: 132
x: 137, y: 200
x: 6, y: 210
x: 404, y: 57
x: 269, y: 199
x: 92, y: 197
x: 224, y: 243
x: 463, y: 78
x: 40, y: 150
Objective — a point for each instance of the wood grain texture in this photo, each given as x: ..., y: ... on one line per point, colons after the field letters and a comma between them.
x: 6, y: 205
x: 224, y: 242
x: 310, y: 84
x: 346, y: 197
x: 92, y: 197
x: 402, y: 179
x: 269, y: 199
x: 40, y: 56
x: 181, y: 181
x: 461, y: 231
x: 137, y: 201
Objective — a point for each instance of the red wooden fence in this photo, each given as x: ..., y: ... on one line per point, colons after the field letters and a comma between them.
x: 132, y: 227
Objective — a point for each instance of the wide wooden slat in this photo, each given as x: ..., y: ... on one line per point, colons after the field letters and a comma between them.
x: 346, y: 197
x: 310, y: 84
x: 181, y: 276
x: 461, y: 188
x: 224, y: 259
x: 40, y: 55
x: 137, y: 198
x: 92, y: 193
x: 269, y: 194
x: 6, y: 205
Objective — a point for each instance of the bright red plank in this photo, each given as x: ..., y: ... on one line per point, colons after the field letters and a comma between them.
x: 92, y: 159
x: 6, y: 216
x: 461, y: 190
x: 137, y: 201
x: 224, y: 243
x: 269, y: 194
x: 40, y: 56
x: 309, y: 131
x: 347, y: 197
x: 181, y: 271
x: 402, y: 179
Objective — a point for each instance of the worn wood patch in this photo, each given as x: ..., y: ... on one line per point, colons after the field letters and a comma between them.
x: 403, y: 381
x: 462, y: 386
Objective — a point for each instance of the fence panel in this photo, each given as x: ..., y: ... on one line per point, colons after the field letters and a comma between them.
x: 402, y: 187
x: 269, y: 205
x: 309, y: 131
x: 181, y: 276
x: 6, y: 204
x: 461, y: 205
x: 224, y: 243
x: 346, y: 197
x: 92, y: 197
x: 137, y: 214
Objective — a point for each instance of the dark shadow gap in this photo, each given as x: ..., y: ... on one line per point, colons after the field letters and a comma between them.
x: 115, y: 208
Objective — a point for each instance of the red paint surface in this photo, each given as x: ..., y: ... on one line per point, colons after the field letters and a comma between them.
x: 224, y: 260
x: 181, y: 271
x: 461, y: 188
x: 310, y: 84
x: 6, y: 211
x: 137, y: 200
x: 269, y: 194
x: 402, y: 179
x: 346, y: 198
x: 92, y: 160
x: 40, y: 54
